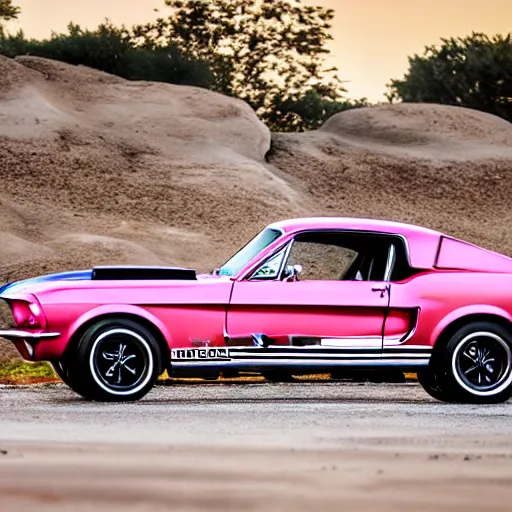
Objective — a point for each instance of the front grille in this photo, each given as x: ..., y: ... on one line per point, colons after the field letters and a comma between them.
x: 6, y: 318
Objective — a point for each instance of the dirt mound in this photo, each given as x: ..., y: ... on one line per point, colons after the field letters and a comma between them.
x: 444, y: 167
x: 99, y: 170
x: 88, y: 154
x: 419, y: 123
x: 433, y: 132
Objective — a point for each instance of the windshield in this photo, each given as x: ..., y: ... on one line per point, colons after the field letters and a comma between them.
x: 247, y: 253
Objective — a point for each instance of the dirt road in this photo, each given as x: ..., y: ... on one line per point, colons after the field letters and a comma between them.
x: 252, y: 447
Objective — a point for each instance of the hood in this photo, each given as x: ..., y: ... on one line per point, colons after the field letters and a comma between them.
x: 79, y: 275
x: 113, y: 273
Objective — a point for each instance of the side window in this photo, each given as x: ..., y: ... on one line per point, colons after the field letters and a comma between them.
x: 270, y: 269
x: 339, y: 256
x: 321, y: 261
x: 342, y: 256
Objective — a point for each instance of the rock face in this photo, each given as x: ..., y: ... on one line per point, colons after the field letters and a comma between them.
x: 447, y: 168
x: 96, y: 170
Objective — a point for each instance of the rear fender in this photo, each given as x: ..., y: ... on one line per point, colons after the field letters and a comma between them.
x: 466, y: 311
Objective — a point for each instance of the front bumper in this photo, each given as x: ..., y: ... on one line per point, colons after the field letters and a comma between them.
x: 27, y: 340
x: 15, y: 335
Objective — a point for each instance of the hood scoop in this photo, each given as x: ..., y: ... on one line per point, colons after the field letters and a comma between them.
x: 142, y: 273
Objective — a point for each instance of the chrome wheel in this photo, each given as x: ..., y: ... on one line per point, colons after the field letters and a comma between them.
x: 482, y: 364
x: 121, y: 361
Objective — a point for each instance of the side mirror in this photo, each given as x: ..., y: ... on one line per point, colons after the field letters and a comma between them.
x: 292, y: 272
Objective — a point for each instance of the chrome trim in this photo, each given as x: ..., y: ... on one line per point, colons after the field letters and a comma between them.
x: 357, y: 355
x: 29, y: 348
x: 15, y: 334
x: 318, y: 363
x: 100, y: 380
x: 242, y: 276
x: 361, y: 342
x: 282, y: 253
x: 504, y: 381
x: 408, y: 347
x: 356, y: 342
x: 408, y: 335
x: 287, y: 251
x: 390, y: 263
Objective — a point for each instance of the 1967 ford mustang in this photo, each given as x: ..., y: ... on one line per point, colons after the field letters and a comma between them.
x: 305, y: 295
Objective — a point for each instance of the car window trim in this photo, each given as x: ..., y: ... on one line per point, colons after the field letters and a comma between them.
x: 285, y: 249
x: 390, y: 264
x: 245, y: 276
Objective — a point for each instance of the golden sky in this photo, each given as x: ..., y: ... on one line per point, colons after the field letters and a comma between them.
x: 372, y: 38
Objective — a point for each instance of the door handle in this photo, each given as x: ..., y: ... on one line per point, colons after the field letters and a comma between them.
x: 381, y: 289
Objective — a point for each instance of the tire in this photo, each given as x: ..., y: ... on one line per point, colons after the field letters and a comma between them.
x: 61, y: 368
x: 474, y: 366
x: 428, y: 380
x: 116, y: 360
x: 58, y: 368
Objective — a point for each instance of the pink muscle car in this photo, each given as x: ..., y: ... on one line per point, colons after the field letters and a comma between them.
x: 304, y: 296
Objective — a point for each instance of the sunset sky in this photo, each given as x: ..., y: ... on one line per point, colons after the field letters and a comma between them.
x: 372, y: 38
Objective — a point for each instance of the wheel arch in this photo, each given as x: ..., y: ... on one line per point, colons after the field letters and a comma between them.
x: 152, y: 324
x: 453, y: 322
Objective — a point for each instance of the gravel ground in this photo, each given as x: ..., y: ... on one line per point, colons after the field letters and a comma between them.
x: 300, y: 446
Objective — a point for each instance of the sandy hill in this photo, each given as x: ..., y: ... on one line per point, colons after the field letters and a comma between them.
x: 444, y: 167
x: 95, y: 169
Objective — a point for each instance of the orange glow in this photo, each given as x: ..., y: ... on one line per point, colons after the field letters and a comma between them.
x: 372, y: 38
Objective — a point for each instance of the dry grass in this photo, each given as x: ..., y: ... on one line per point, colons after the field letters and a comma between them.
x: 22, y: 372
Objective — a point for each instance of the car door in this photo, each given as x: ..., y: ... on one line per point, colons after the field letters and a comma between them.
x: 337, y: 302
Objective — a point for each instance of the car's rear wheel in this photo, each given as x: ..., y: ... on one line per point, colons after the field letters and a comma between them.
x: 428, y: 378
x: 116, y: 360
x: 474, y: 366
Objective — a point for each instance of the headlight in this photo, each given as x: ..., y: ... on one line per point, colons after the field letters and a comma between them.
x: 28, y: 314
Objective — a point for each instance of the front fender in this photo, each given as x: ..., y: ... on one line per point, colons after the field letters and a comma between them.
x: 473, y: 309
x: 117, y: 309
x: 49, y: 350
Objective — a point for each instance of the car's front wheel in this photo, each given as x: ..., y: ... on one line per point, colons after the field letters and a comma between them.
x: 60, y: 370
x: 474, y: 366
x: 115, y: 360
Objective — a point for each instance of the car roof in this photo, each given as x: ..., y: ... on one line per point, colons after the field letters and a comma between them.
x: 352, y: 223
x: 421, y: 243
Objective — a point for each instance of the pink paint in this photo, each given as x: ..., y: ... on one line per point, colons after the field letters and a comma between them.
x: 450, y: 280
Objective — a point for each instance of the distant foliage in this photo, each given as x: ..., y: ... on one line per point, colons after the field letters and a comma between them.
x: 270, y: 53
x: 8, y: 11
x: 473, y: 72
x: 112, y: 50
x: 309, y: 111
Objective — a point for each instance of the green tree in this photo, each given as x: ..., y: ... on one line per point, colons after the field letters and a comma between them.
x: 8, y: 11
x: 270, y: 53
x: 111, y: 49
x: 473, y: 72
x: 310, y: 110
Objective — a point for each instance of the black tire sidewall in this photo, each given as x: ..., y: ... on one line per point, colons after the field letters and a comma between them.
x: 449, y: 381
x: 428, y: 380
x: 98, y: 390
